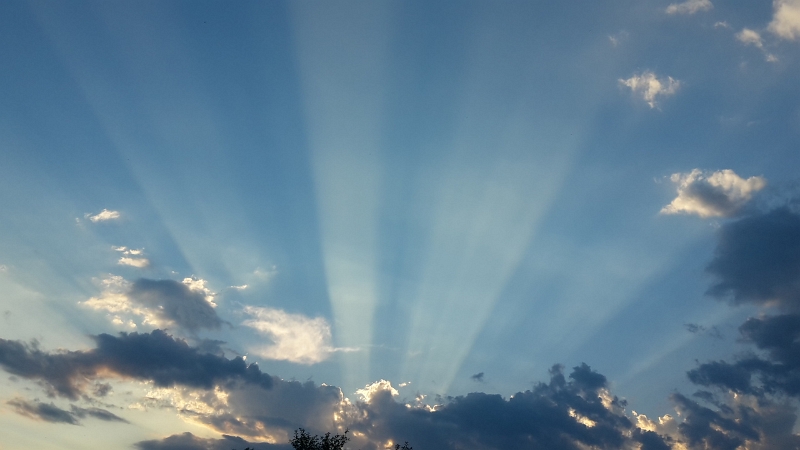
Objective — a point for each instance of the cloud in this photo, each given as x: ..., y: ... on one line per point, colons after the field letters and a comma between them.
x: 786, y: 19
x: 188, y: 441
x: 567, y: 413
x: 132, y: 257
x: 716, y: 194
x: 42, y: 411
x: 776, y: 373
x: 294, y: 337
x: 161, y: 303
x: 155, y: 357
x: 757, y: 260
x: 103, y: 216
x: 700, y: 329
x: 650, y: 88
x: 477, y: 377
x: 689, y: 7
x: 49, y: 412
x: 571, y: 413
x: 750, y: 37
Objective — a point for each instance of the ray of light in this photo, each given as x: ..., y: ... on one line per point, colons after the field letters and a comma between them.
x: 341, y: 56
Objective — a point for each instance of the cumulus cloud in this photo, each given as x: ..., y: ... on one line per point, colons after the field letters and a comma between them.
x: 103, y: 216
x: 648, y: 86
x: 161, y: 303
x: 712, y: 194
x: 757, y: 260
x: 689, y: 7
x: 294, y: 337
x: 156, y: 357
x: 786, y: 19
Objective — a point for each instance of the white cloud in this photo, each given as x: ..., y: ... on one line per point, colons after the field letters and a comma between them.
x: 689, y: 7
x: 134, y: 262
x: 786, y: 19
x: 649, y: 87
x: 716, y: 194
x: 103, y: 216
x: 3, y: 268
x: 132, y: 257
x: 616, y: 39
x: 750, y: 37
x: 294, y: 337
x: 721, y: 24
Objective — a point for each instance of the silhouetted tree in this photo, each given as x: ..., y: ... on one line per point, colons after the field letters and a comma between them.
x: 304, y: 441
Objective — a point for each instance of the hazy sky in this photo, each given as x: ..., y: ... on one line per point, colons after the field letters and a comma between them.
x: 469, y: 225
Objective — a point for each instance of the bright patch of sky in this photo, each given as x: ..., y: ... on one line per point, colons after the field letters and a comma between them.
x: 223, y: 222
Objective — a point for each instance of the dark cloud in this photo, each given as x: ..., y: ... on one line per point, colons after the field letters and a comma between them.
x: 477, y: 377
x: 188, y: 441
x: 757, y: 260
x: 567, y: 413
x: 778, y: 371
x: 705, y: 428
x: 249, y: 410
x: 176, y: 302
x: 47, y: 412
x: 155, y: 356
x: 96, y: 413
x: 700, y: 329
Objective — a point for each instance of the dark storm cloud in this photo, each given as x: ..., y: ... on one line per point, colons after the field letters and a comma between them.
x: 567, y: 413
x: 477, y: 377
x: 154, y: 356
x: 175, y: 301
x: 188, y: 441
x: 757, y: 260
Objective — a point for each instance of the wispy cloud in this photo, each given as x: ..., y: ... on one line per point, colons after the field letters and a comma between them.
x: 715, y: 194
x: 650, y: 88
x: 786, y: 19
x: 103, y: 216
x: 295, y: 337
x: 49, y: 412
x: 689, y: 7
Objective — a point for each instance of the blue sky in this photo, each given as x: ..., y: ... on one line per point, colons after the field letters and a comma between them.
x: 436, y: 200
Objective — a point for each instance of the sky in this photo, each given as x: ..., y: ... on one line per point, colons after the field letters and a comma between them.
x: 465, y: 225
